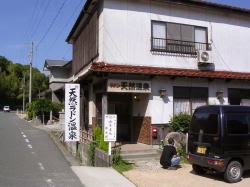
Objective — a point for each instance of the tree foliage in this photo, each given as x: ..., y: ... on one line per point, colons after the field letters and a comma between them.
x: 39, y: 107
x: 14, y: 78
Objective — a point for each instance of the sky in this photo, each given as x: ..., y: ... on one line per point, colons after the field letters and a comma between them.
x: 46, y: 24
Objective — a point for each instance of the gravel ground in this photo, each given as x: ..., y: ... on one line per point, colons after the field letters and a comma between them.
x: 151, y: 174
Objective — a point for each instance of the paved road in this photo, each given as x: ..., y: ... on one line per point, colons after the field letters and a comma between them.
x: 28, y: 157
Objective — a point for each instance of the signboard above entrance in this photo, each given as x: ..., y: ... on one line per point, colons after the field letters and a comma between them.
x: 128, y: 86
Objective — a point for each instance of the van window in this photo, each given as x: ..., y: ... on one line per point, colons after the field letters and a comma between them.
x: 237, y: 123
x: 208, y: 122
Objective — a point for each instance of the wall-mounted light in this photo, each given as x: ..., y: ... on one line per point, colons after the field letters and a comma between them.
x: 162, y: 93
x: 219, y: 94
x: 136, y: 97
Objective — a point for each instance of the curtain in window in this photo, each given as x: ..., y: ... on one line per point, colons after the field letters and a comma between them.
x: 198, y: 102
x: 159, y: 35
x: 200, y: 37
x: 187, y: 33
x: 181, y: 106
x: 187, y: 37
x: 173, y: 31
x: 187, y: 105
x: 187, y: 99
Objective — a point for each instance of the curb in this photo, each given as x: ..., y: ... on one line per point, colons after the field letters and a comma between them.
x: 68, y: 156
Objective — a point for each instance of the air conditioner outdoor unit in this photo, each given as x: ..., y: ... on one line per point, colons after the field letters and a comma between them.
x: 204, y: 57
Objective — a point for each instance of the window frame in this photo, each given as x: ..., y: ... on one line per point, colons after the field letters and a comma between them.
x: 189, y: 96
x: 181, y: 45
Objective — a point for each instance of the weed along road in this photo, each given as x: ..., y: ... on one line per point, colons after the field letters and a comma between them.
x: 29, y: 158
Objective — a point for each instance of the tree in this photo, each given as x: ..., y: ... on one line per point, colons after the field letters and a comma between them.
x: 12, y: 83
x: 40, y: 107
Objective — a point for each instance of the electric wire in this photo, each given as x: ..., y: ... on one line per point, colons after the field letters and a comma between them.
x: 41, y: 18
x: 65, y: 26
x: 52, y: 23
x: 31, y: 19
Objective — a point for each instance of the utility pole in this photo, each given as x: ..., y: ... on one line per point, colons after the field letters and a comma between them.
x: 23, y: 93
x: 31, y: 59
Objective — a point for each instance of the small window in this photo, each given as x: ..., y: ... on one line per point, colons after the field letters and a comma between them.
x: 159, y: 35
x: 237, y: 123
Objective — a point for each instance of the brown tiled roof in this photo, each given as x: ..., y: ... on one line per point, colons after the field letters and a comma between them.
x: 114, y: 68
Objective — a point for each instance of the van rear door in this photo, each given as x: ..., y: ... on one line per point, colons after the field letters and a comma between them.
x: 204, y: 133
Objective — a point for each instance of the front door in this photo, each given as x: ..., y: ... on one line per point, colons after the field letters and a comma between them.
x: 120, y: 104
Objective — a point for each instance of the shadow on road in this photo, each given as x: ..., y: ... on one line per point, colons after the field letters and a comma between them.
x: 219, y: 176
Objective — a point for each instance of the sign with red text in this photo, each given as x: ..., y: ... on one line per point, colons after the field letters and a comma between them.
x: 72, y: 112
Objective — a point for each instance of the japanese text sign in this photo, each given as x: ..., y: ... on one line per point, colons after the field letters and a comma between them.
x: 128, y: 86
x: 110, y: 124
x: 72, y: 112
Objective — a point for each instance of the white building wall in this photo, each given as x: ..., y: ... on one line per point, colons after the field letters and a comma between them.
x: 126, y: 32
x: 124, y: 38
x: 161, y: 109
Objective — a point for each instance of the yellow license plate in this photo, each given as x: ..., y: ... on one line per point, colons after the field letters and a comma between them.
x: 201, y: 150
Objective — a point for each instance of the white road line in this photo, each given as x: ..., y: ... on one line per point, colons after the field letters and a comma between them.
x: 24, y: 136
x: 26, y: 140
x: 41, y: 166
x: 29, y: 146
x: 22, y: 132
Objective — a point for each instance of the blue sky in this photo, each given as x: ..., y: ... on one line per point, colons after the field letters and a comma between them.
x: 47, y: 23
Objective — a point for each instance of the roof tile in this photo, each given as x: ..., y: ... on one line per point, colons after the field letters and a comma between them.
x: 115, y: 68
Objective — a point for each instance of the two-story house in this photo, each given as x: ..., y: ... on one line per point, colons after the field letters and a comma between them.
x: 60, y: 73
x: 147, y: 60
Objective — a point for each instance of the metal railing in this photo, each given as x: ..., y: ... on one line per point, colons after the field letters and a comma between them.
x: 177, y: 46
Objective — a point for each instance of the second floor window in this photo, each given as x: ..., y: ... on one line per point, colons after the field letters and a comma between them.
x: 178, y: 38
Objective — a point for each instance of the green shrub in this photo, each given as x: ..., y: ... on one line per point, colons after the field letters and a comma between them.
x: 180, y: 122
x: 41, y: 106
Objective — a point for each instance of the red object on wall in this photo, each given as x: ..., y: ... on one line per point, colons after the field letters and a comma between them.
x: 154, y: 132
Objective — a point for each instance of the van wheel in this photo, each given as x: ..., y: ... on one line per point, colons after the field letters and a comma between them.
x: 233, y: 172
x: 198, y: 169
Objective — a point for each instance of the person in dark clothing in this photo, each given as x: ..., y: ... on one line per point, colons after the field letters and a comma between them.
x: 169, y: 158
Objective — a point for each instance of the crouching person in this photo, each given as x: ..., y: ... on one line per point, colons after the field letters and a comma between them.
x: 169, y: 158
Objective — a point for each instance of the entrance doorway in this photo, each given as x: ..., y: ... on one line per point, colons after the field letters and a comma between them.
x: 120, y: 104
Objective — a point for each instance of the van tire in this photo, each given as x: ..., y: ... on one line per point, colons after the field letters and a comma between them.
x: 198, y: 169
x: 233, y: 172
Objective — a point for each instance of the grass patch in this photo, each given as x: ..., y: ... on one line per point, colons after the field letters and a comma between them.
x: 122, y: 166
x: 184, y: 160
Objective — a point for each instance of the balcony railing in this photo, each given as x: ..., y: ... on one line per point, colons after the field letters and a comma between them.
x: 177, y: 46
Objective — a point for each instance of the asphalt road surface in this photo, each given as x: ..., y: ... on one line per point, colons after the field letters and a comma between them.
x: 29, y: 158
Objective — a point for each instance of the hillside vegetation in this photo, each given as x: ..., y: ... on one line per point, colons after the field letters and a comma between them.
x: 14, y: 78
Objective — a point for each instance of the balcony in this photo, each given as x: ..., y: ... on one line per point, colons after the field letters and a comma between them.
x: 177, y: 46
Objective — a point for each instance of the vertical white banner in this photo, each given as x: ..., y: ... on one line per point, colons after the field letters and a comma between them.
x: 72, y: 112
